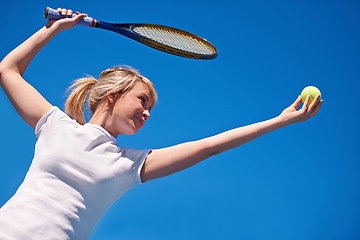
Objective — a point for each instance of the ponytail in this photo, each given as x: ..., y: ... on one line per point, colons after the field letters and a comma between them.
x: 75, y: 103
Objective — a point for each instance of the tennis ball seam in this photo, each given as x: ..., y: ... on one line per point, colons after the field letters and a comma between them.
x: 311, y: 96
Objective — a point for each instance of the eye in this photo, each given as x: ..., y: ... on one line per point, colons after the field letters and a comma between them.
x: 142, y: 99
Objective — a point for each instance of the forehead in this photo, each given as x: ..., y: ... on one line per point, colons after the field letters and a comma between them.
x: 140, y: 88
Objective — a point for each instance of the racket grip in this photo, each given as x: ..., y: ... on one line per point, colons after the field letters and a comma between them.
x: 50, y: 13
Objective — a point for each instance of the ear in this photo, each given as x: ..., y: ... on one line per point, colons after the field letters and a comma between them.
x: 111, y: 97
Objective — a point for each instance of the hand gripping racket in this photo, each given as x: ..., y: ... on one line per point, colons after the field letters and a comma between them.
x: 166, y: 39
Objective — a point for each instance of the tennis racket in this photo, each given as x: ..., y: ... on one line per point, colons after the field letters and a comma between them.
x: 163, y: 38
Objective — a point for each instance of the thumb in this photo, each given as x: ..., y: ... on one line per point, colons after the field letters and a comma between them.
x: 78, y: 17
x: 297, y: 102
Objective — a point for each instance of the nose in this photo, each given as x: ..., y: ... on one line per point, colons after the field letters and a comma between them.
x: 146, y: 114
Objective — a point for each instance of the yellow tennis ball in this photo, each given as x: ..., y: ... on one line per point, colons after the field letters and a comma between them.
x: 312, y: 91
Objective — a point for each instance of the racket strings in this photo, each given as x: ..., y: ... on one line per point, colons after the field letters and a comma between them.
x: 175, y: 39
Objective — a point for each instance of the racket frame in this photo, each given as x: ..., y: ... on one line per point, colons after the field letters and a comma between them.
x: 127, y: 29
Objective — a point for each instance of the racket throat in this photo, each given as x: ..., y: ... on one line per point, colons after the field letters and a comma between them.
x: 95, y: 23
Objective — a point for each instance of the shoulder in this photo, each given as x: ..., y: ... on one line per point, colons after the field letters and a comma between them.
x: 53, y: 116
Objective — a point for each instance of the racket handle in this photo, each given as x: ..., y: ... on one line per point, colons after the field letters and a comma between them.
x: 50, y: 13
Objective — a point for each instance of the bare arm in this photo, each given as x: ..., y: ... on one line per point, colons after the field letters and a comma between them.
x: 27, y: 101
x: 166, y: 161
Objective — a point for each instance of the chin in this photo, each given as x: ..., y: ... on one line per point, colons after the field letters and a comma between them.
x: 131, y: 132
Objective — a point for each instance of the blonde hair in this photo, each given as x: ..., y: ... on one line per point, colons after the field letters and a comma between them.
x: 113, y: 80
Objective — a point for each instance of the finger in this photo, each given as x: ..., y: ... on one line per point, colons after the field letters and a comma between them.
x: 316, y: 109
x: 63, y: 12
x: 79, y: 17
x: 70, y: 12
x: 317, y: 98
x: 297, y: 102
x: 306, y: 102
x: 315, y: 101
x: 60, y: 10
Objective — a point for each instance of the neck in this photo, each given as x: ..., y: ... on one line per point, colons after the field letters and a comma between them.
x: 102, y: 117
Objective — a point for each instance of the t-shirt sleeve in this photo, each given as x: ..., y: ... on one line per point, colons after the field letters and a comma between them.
x: 51, y: 117
x: 138, y: 157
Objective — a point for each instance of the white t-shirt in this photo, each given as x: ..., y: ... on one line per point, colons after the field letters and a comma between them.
x: 77, y: 173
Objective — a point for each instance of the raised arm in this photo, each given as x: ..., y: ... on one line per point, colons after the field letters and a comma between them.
x: 27, y: 101
x: 166, y: 161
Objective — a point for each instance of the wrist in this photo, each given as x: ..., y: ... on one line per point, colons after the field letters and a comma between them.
x: 48, y: 32
x: 285, y: 120
x: 281, y: 121
x: 52, y: 27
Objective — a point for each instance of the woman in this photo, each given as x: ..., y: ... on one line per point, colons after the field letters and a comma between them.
x: 78, y: 170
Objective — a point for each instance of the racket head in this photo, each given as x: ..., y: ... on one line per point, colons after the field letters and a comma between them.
x: 166, y: 39
x: 174, y: 41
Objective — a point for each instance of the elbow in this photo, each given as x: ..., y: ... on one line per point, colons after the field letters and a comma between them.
x: 1, y: 71
x: 5, y: 67
x: 213, y: 153
x: 5, y: 70
x: 211, y: 149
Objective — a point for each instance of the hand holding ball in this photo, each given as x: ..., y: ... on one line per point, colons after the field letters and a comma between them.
x: 312, y: 91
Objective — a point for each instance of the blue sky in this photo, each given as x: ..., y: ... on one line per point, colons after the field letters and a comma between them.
x: 300, y: 182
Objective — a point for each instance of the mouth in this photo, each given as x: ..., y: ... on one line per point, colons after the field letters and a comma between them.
x: 140, y: 121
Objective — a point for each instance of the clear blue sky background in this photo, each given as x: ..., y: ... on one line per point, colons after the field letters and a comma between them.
x: 301, y: 182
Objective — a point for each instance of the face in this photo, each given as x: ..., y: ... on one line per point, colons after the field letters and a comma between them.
x: 130, y: 110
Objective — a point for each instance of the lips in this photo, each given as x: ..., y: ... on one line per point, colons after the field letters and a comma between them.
x: 140, y: 122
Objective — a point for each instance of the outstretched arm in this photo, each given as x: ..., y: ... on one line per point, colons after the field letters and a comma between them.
x: 27, y: 101
x: 166, y: 161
